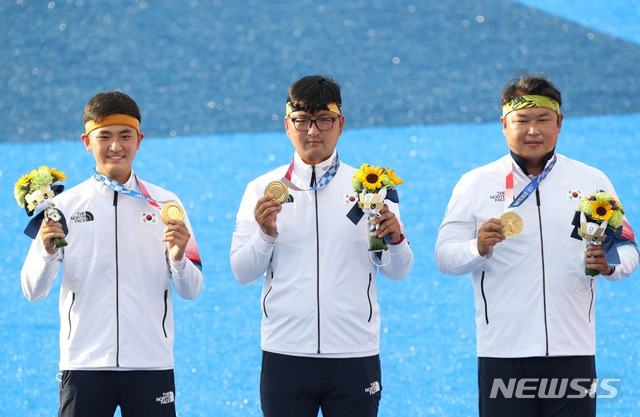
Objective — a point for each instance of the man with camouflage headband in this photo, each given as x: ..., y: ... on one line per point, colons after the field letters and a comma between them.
x: 509, y: 224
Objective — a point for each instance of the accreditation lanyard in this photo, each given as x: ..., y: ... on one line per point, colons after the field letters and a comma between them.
x: 321, y: 183
x: 509, y: 201
x: 122, y: 189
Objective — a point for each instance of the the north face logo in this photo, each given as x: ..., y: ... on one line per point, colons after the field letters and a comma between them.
x: 374, y: 388
x: 167, y: 398
x: 82, y: 216
x: 499, y: 196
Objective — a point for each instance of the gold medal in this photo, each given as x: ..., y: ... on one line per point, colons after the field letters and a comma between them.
x: 513, y: 223
x: 171, y: 210
x: 278, y: 189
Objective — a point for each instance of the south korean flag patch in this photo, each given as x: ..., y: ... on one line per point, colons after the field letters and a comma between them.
x: 149, y: 217
x: 574, y: 195
x: 349, y: 199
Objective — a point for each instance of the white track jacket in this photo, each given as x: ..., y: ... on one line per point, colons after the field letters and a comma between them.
x: 530, y: 298
x: 319, y: 295
x: 115, y: 297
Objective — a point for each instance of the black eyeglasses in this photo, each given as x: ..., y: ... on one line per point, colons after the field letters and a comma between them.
x: 322, y: 123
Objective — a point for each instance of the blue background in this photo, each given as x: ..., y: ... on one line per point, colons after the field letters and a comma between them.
x: 421, y: 84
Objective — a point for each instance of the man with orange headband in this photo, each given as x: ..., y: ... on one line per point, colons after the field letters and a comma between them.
x: 510, y: 224
x: 128, y: 240
x: 320, y: 315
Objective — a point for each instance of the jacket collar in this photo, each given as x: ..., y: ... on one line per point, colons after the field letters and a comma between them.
x: 522, y: 163
x: 302, y: 171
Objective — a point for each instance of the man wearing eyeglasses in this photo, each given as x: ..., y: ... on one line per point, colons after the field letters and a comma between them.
x: 320, y: 315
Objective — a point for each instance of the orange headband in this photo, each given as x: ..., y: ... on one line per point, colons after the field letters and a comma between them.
x: 113, y: 119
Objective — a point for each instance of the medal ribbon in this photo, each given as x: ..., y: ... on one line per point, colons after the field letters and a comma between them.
x: 321, y: 183
x: 528, y: 190
x: 122, y: 189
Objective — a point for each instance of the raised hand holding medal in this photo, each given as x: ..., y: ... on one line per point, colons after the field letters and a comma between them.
x: 176, y: 235
x: 269, y: 206
x: 513, y: 223
x: 278, y: 190
x: 171, y: 210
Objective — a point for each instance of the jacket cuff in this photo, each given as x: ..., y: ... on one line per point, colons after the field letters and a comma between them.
x: 399, y: 247
x: 178, y: 266
x: 477, y: 258
x: 266, y: 238
x: 46, y: 256
x: 399, y: 241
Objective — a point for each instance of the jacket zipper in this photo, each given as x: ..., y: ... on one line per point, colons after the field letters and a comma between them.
x: 264, y: 300
x: 544, y: 281
x: 73, y: 300
x: 164, y: 318
x: 369, y: 298
x: 484, y: 298
x: 591, y: 303
x: 115, y: 209
x: 313, y: 182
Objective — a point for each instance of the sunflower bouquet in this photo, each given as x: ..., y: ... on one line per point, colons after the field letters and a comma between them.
x: 600, y: 215
x: 34, y: 191
x: 373, y: 185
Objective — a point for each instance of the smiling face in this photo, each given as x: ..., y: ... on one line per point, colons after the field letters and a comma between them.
x: 532, y: 133
x: 314, y: 145
x: 114, y: 149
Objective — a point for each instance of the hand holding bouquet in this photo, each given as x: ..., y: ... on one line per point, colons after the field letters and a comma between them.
x: 600, y: 215
x: 35, y: 191
x: 374, y: 185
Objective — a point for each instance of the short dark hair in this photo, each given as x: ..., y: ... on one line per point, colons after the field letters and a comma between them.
x: 313, y: 93
x: 104, y: 104
x: 527, y: 84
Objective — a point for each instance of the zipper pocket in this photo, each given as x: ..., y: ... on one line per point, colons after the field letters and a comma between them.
x: 264, y: 300
x: 73, y: 300
x: 369, y: 298
x: 484, y: 298
x: 164, y: 318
